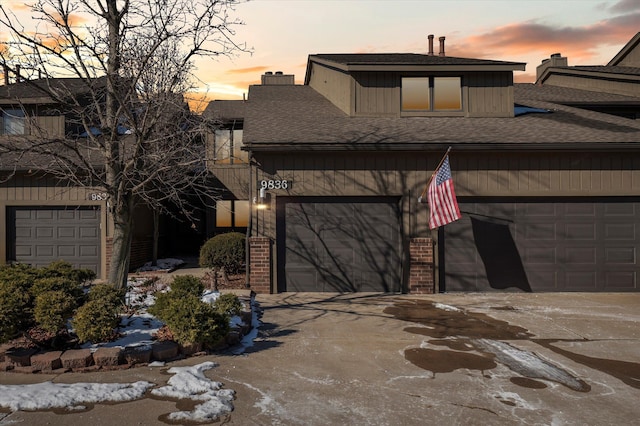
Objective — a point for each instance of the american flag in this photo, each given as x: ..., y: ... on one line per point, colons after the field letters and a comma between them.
x: 443, y: 205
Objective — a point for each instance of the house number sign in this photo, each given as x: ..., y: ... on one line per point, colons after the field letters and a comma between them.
x: 98, y: 196
x: 275, y: 184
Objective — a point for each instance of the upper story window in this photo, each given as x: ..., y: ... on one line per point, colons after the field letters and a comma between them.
x: 227, y: 146
x: 431, y: 94
x: 12, y: 122
x: 232, y: 214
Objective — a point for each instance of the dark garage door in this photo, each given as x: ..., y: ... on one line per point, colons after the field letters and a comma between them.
x: 543, y: 246
x: 43, y: 235
x: 339, y: 245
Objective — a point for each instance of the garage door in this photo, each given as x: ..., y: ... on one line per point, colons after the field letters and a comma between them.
x: 543, y: 246
x: 339, y: 245
x: 43, y: 235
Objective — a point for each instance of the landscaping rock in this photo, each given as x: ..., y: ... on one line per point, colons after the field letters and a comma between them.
x: 76, y: 358
x: 47, y: 361
x: 165, y: 350
x: 234, y: 337
x: 190, y: 349
x: 107, y: 357
x: 137, y: 354
x: 20, y: 357
x: 3, y: 350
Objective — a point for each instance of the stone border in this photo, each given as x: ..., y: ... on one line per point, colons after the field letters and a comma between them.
x: 31, y: 360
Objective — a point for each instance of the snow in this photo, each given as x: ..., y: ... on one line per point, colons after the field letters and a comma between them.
x: 48, y: 395
x: 446, y: 307
x: 161, y: 265
x: 137, y: 330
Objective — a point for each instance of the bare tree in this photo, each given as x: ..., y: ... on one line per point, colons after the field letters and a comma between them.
x: 130, y: 61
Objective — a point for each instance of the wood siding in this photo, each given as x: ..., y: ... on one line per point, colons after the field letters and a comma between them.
x: 35, y: 191
x: 333, y: 85
x: 474, y: 174
x: 490, y: 94
x: 377, y: 94
x: 593, y: 84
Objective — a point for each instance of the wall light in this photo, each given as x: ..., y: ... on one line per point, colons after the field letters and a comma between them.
x: 262, y: 201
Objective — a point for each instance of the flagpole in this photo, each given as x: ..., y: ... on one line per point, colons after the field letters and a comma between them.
x: 433, y: 174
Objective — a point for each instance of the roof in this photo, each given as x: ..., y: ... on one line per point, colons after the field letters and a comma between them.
x: 225, y: 110
x: 625, y: 51
x: 298, y: 117
x: 350, y: 62
x: 37, y: 91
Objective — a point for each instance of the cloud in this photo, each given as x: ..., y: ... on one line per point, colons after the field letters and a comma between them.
x: 625, y: 6
x: 251, y: 70
x: 521, y: 39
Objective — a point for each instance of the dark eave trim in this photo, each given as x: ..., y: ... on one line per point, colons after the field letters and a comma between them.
x: 439, y: 147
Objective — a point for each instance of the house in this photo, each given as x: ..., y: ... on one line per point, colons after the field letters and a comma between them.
x: 43, y: 219
x: 547, y: 175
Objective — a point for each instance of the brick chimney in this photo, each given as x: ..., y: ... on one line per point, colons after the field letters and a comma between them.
x: 430, y: 45
x: 441, y: 46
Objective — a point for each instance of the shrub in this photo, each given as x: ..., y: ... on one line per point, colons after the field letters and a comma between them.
x: 15, y: 311
x: 224, y: 251
x: 18, y: 274
x: 52, y: 309
x: 96, y: 320
x: 60, y: 268
x: 193, y: 321
x: 228, y: 304
x: 52, y: 283
x: 187, y: 284
x: 108, y: 294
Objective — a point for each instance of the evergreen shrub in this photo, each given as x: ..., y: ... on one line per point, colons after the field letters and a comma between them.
x: 224, y: 251
x: 228, y: 304
x: 52, y: 310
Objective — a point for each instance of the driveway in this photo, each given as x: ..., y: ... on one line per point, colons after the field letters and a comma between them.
x: 371, y: 359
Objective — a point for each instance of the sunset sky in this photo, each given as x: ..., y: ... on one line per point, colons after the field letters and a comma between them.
x: 282, y: 33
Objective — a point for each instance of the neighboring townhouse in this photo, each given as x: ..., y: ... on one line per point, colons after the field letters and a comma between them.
x: 41, y: 218
x: 547, y: 177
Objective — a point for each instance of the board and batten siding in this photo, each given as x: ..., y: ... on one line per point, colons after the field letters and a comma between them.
x: 490, y: 94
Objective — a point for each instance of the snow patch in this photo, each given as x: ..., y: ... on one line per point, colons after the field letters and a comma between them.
x: 191, y: 383
x: 48, y: 395
x: 446, y: 307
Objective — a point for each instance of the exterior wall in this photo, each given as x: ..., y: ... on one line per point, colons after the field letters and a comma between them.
x: 490, y: 94
x: 34, y: 191
x: 421, y: 275
x: 632, y: 59
x: 260, y: 266
x: 232, y: 179
x: 377, y: 94
x: 594, y: 84
x: 333, y: 85
x: 477, y: 174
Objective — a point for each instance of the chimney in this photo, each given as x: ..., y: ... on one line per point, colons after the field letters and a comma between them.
x: 441, y: 46
x: 430, y: 45
x: 279, y: 78
x: 555, y: 60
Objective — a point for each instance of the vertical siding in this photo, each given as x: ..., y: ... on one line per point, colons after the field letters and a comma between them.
x: 333, y: 85
x: 490, y: 94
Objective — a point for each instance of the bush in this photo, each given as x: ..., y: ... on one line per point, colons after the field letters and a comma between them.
x: 15, y: 311
x: 193, y: 321
x: 96, y: 320
x: 187, y: 284
x: 108, y: 294
x: 64, y: 269
x: 52, y: 309
x: 224, y: 251
x: 18, y: 274
x: 228, y: 304
x: 60, y: 283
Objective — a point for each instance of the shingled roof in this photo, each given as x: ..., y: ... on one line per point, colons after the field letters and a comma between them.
x: 297, y: 117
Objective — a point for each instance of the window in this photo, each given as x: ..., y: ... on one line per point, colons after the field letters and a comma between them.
x: 228, y: 146
x: 431, y: 94
x: 12, y: 122
x: 232, y: 213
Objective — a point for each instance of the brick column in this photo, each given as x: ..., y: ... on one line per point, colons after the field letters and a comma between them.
x: 260, y: 264
x: 421, y: 275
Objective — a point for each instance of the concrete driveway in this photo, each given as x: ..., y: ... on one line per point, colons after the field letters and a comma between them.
x: 370, y: 359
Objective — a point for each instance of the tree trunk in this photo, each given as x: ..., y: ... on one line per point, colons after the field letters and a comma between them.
x: 122, y: 237
x: 156, y: 237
